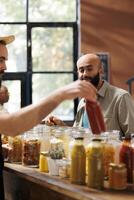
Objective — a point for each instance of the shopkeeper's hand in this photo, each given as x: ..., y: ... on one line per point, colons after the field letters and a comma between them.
x: 52, y: 121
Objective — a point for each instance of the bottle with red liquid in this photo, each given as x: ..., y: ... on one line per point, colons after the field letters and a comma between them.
x: 126, y: 156
x: 95, y: 117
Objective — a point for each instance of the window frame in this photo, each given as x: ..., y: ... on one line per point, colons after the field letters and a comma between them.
x: 23, y: 78
x: 26, y: 77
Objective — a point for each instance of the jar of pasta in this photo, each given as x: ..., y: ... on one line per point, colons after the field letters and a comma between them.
x: 30, y: 149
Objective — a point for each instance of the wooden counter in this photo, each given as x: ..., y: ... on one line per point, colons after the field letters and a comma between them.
x: 23, y: 183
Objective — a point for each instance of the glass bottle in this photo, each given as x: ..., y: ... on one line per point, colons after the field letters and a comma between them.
x: 95, y: 164
x: 126, y: 155
x: 78, y: 162
x: 95, y: 117
x: 56, y: 150
x: 76, y: 132
x: 108, y: 156
x: 111, y: 150
x: 45, y: 138
x: 65, y: 136
x: 115, y: 140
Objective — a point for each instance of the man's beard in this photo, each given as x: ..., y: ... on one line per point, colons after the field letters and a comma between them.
x: 94, y: 80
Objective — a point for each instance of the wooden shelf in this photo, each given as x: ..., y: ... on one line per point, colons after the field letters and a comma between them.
x: 32, y: 182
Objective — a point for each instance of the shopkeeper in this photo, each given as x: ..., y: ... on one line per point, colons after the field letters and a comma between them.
x: 13, y: 124
x: 117, y: 104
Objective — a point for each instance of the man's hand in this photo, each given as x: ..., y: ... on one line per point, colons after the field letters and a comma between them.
x: 51, y: 121
x: 80, y: 89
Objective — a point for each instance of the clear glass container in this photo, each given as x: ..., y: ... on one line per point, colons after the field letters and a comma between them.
x: 126, y: 157
x: 78, y: 162
x: 43, y: 162
x: 31, y: 149
x: 95, y: 164
x: 15, y: 149
x: 45, y: 136
x: 63, y: 133
x: 108, y: 153
x: 56, y: 150
x: 77, y: 132
x: 114, y: 138
x: 64, y: 168
x: 117, y: 176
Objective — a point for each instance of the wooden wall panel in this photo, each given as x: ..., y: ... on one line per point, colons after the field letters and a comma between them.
x: 108, y: 26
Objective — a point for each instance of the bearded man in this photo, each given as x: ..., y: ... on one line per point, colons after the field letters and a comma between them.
x: 117, y: 104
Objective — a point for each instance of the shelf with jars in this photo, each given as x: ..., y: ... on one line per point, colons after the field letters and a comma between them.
x: 75, y: 154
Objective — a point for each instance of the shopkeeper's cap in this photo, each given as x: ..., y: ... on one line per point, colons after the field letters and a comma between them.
x: 7, y: 39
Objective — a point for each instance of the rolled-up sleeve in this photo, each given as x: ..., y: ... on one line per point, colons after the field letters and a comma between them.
x: 126, y: 113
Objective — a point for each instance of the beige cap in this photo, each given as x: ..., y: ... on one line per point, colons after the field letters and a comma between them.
x: 7, y: 39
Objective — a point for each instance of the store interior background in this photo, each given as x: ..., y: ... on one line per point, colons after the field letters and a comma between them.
x: 107, y: 26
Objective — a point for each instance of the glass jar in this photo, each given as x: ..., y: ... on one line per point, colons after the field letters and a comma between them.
x: 43, y: 163
x: 78, y: 162
x: 64, y: 168
x: 117, y: 176
x: 31, y: 149
x: 15, y: 149
x: 56, y: 150
x: 76, y: 132
x: 115, y: 139
x: 66, y: 138
x: 95, y: 164
x: 45, y: 138
x: 63, y: 133
x: 108, y: 154
x: 126, y: 157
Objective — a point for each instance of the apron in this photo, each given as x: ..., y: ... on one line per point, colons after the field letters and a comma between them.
x: 1, y: 172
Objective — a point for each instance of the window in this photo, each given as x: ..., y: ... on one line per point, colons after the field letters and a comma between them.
x: 105, y: 59
x: 45, y: 50
x: 17, y: 87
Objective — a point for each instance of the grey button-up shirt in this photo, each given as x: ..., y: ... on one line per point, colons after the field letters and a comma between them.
x: 117, y: 106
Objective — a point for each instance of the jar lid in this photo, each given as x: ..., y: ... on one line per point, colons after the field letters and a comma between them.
x: 44, y: 153
x: 113, y: 165
x: 78, y: 138
x: 97, y: 139
x: 128, y: 136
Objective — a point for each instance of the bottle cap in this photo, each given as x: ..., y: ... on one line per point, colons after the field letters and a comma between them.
x: 44, y: 153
